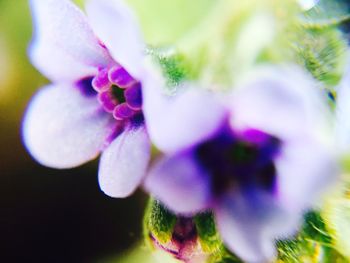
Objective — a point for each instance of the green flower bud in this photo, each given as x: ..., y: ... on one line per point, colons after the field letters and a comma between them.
x: 187, y: 239
x: 337, y: 217
x: 174, y: 235
x: 313, y: 243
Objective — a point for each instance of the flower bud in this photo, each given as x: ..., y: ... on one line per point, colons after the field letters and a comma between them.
x: 187, y: 239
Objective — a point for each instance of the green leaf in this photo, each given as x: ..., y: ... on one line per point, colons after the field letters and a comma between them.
x: 340, y: 216
x: 313, y: 243
x: 226, y: 259
x: 327, y: 13
x: 158, y: 222
x: 210, y: 240
x: 322, y: 53
x: 224, y: 256
x: 337, y: 216
x: 206, y: 230
x: 172, y: 65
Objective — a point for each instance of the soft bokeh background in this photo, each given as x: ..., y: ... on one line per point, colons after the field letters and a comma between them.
x: 51, y: 215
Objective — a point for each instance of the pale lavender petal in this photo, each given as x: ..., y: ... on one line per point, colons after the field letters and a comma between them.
x: 250, y: 223
x: 281, y: 101
x: 123, y: 164
x: 63, y: 129
x: 305, y: 169
x: 117, y: 27
x: 179, y: 183
x: 177, y: 122
x: 64, y: 47
x: 307, y: 4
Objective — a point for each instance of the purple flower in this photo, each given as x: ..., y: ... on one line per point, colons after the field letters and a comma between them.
x: 96, y: 64
x: 257, y: 159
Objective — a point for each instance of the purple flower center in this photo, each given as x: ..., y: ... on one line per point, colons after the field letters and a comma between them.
x: 117, y: 91
x: 244, y: 160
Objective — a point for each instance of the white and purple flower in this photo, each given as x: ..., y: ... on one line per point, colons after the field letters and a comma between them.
x: 96, y: 64
x: 258, y: 160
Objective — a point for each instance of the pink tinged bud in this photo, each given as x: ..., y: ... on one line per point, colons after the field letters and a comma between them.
x: 120, y: 77
x: 184, y: 244
x: 107, y: 101
x: 133, y: 96
x: 101, y: 81
x: 122, y: 112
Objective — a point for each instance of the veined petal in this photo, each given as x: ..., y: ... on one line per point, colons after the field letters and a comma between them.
x: 179, y: 183
x: 305, y: 169
x: 123, y: 164
x: 250, y: 224
x: 117, y: 27
x: 63, y: 129
x: 281, y: 101
x: 64, y: 48
x: 180, y: 121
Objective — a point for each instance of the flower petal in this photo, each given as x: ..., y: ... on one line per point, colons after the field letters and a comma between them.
x: 123, y: 164
x: 63, y: 129
x: 249, y: 225
x: 305, y: 169
x: 281, y: 101
x: 63, y: 37
x: 179, y: 183
x: 307, y: 4
x: 117, y: 27
x: 177, y: 122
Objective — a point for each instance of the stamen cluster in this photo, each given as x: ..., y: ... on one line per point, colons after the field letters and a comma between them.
x: 118, y: 92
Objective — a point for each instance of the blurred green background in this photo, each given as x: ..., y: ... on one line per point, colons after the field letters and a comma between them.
x: 51, y: 215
